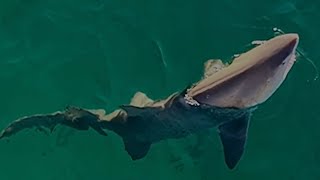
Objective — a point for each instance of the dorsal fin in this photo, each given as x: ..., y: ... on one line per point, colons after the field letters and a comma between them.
x: 233, y: 136
x: 140, y: 99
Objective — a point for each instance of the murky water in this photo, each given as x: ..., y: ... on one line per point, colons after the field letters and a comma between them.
x: 96, y: 54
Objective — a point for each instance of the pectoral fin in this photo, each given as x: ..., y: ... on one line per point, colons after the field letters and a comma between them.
x: 233, y: 136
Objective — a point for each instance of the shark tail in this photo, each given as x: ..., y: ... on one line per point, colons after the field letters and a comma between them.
x: 82, y: 119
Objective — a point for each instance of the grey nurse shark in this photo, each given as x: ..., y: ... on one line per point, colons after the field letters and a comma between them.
x: 224, y: 98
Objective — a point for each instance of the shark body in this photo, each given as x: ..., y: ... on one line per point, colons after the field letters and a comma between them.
x: 225, y: 98
x: 149, y: 125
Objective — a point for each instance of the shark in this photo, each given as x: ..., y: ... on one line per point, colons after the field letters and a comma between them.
x: 225, y: 98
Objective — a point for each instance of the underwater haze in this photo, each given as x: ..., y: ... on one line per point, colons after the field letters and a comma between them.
x: 98, y: 53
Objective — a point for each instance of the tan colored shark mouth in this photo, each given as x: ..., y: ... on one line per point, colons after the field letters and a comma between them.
x: 252, y: 77
x: 246, y: 61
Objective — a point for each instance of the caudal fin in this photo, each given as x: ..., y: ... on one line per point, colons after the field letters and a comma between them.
x: 74, y: 117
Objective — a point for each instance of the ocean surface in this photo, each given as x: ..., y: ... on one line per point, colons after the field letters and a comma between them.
x: 98, y: 53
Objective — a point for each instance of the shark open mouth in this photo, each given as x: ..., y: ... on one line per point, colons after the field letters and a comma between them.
x: 292, y: 59
x: 290, y: 63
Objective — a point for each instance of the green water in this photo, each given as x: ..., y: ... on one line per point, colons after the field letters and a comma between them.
x: 97, y: 53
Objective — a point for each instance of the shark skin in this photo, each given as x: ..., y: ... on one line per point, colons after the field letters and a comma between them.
x: 224, y: 98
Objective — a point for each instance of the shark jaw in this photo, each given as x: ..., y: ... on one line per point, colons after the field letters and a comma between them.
x: 252, y: 77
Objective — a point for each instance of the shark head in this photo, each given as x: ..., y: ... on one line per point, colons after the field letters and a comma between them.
x: 252, y: 77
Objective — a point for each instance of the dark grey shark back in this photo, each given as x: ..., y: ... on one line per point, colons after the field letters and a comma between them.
x: 145, y: 126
